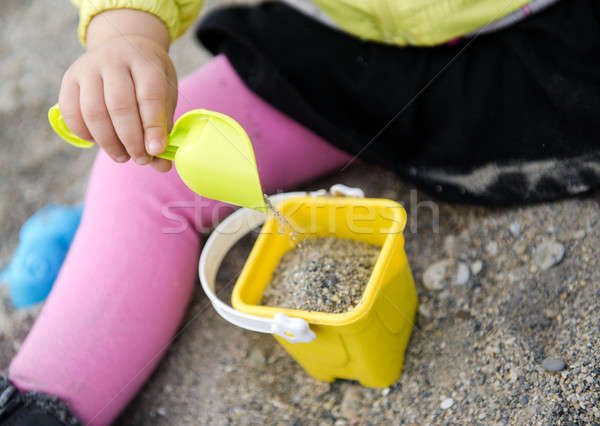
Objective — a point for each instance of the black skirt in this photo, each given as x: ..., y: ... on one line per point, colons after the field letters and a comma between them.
x: 503, y: 118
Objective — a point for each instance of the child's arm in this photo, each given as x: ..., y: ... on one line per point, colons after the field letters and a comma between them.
x: 122, y: 92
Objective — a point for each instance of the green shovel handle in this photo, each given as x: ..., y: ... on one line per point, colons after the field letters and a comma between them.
x: 62, y: 130
x: 60, y: 127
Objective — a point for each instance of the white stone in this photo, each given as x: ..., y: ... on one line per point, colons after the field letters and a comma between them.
x: 492, y: 248
x: 476, y: 267
x: 462, y: 274
x: 515, y: 229
x: 548, y: 254
x: 436, y: 275
x: 447, y: 403
x: 424, y: 311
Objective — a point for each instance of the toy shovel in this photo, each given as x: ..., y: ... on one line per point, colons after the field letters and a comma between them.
x: 211, y: 152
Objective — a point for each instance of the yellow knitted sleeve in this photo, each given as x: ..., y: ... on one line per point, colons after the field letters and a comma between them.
x: 177, y: 15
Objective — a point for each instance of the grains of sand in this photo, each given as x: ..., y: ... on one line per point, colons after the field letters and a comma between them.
x: 323, y: 274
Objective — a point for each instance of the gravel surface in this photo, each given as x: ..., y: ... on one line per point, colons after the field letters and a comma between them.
x: 323, y: 275
x: 478, y: 349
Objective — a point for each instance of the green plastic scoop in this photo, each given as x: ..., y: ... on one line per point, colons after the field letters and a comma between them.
x: 211, y: 152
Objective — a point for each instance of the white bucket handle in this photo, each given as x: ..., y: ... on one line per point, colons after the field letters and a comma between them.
x: 229, y: 232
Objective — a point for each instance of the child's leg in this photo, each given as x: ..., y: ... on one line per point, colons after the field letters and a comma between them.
x: 127, y: 279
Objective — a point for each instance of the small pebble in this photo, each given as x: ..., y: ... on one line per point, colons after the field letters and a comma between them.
x: 161, y: 411
x: 256, y: 358
x: 492, y: 248
x: 447, y: 403
x: 385, y: 392
x: 549, y: 254
x: 350, y: 405
x: 321, y: 388
x: 476, y: 267
x: 515, y: 229
x: 520, y: 247
x: 424, y: 311
x: 450, y: 246
x: 553, y: 364
x: 462, y: 274
x: 436, y: 275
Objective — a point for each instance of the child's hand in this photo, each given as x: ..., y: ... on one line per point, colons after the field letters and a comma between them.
x: 122, y: 92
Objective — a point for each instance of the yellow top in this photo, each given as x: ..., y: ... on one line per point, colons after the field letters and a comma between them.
x: 177, y: 15
x: 415, y: 22
x: 399, y: 22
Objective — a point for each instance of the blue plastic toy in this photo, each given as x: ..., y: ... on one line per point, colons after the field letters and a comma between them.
x: 43, y: 244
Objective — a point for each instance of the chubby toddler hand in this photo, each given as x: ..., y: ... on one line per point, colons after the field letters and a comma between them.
x: 122, y: 92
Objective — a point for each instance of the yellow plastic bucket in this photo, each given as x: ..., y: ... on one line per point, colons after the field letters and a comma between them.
x: 368, y: 342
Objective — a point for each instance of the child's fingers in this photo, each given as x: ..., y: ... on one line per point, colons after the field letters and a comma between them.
x: 151, y: 92
x: 121, y: 103
x: 68, y: 102
x: 161, y: 165
x: 97, y: 120
x: 171, y: 101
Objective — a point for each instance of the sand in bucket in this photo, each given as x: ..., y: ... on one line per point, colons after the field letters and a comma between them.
x: 324, y: 275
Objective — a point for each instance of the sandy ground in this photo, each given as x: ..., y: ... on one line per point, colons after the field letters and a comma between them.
x: 481, y: 339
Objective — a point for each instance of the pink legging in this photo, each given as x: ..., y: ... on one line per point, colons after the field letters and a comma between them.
x: 129, y: 274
